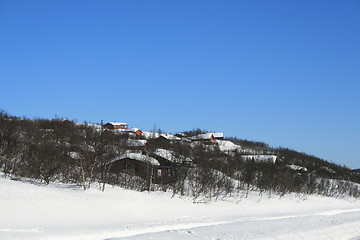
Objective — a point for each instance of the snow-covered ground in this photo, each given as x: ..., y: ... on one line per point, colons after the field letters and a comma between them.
x: 59, y: 211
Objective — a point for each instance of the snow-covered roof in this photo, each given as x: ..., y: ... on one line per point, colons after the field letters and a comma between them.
x: 181, y: 135
x: 205, y: 136
x: 148, y: 134
x: 260, y: 158
x: 170, y: 137
x: 136, y: 156
x: 136, y: 142
x: 171, y: 155
x: 227, y: 145
x: 135, y: 129
x: 93, y: 125
x: 117, y: 123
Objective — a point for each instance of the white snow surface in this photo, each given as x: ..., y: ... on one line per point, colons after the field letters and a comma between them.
x: 118, y: 124
x: 171, y: 155
x: 136, y: 156
x: 150, y: 135
x: 205, y: 136
x: 170, y: 137
x: 65, y: 212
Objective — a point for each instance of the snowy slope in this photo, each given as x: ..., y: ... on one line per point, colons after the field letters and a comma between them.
x: 60, y: 211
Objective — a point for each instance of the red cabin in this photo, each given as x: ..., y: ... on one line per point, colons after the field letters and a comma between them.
x: 116, y: 125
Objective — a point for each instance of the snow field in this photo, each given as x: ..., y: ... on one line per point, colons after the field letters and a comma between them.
x: 62, y: 211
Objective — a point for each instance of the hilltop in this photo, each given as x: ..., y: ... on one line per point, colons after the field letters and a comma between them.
x: 194, y: 163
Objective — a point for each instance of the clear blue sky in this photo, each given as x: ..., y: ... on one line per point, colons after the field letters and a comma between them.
x: 283, y: 72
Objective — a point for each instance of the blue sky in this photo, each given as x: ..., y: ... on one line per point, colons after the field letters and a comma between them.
x: 283, y: 72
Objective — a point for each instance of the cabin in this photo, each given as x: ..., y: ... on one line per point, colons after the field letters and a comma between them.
x: 183, y: 137
x: 164, y: 140
x: 133, y: 163
x: 67, y: 122
x: 164, y: 174
x: 116, y: 125
x: 171, y: 156
x: 137, y: 131
x: 145, y: 166
x: 169, y: 137
x: 261, y: 158
x: 209, y: 138
x: 137, y: 144
x: 172, y: 165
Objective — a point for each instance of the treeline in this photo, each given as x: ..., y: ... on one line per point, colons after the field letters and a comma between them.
x: 61, y: 150
x: 218, y: 172
x: 51, y: 150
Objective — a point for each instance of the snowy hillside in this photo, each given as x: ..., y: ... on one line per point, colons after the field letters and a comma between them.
x: 200, y: 187
x: 59, y: 211
x: 191, y: 163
